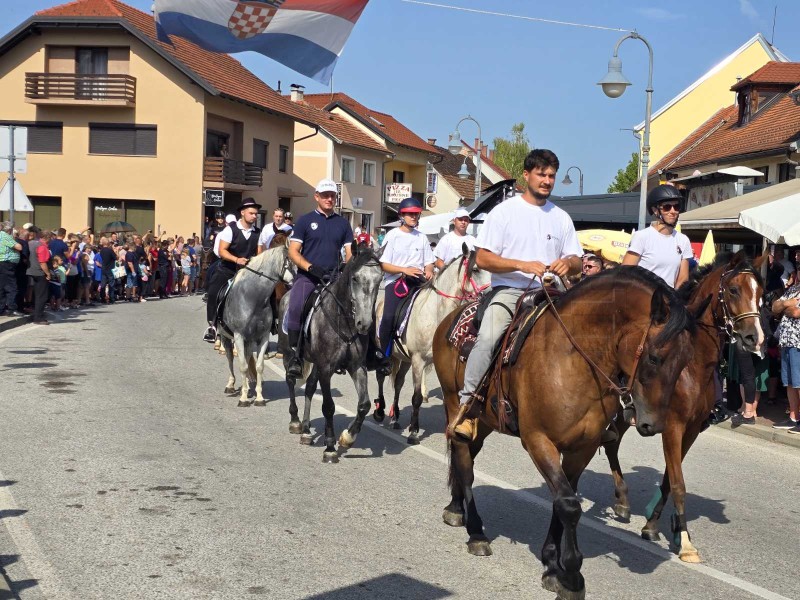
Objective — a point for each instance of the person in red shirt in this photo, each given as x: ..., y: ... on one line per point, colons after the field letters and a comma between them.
x: 39, y: 271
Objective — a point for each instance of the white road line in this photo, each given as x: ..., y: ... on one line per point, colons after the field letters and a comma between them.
x: 30, y: 553
x: 605, y: 529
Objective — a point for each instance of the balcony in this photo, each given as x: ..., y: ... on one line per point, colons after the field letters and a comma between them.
x: 231, y: 174
x: 73, y: 89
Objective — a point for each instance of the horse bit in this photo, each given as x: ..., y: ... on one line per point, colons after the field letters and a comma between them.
x: 729, y: 319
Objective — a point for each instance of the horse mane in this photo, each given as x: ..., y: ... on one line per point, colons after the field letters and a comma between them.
x: 679, y: 318
x: 431, y: 283
x: 361, y: 256
x: 258, y: 262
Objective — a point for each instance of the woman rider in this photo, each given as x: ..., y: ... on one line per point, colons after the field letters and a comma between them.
x: 407, y: 260
x: 660, y: 248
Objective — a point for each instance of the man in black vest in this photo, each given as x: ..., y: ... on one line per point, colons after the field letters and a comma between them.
x: 238, y: 243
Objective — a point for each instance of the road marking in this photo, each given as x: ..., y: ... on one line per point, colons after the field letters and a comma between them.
x: 30, y: 553
x: 602, y: 528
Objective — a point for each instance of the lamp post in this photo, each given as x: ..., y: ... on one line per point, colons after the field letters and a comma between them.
x: 568, y: 181
x: 454, y: 146
x: 614, y: 84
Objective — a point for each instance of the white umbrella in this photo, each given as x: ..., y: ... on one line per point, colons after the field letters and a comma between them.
x: 778, y: 221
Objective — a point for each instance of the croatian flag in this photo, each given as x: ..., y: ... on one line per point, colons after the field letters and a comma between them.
x: 305, y: 35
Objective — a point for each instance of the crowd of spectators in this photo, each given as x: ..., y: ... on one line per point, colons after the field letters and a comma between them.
x: 56, y: 271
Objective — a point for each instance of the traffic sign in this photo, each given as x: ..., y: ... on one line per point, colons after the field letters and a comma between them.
x: 21, y: 201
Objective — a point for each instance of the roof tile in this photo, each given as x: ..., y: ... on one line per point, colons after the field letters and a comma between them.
x: 781, y: 73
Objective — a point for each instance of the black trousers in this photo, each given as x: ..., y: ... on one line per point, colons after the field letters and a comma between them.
x: 223, y: 272
x: 22, y: 284
x: 41, y: 292
x: 8, y: 285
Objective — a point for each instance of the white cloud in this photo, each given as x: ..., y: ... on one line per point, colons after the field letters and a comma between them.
x: 659, y: 14
x: 747, y: 9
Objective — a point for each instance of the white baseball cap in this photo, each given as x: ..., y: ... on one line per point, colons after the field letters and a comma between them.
x: 230, y: 218
x: 326, y: 185
x: 460, y: 213
x: 27, y: 225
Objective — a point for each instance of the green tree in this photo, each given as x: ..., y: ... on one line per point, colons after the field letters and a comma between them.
x: 627, y: 177
x: 510, y: 152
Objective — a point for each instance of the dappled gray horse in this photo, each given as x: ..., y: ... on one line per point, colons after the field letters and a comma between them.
x: 248, y: 318
x: 458, y: 282
x: 337, y: 341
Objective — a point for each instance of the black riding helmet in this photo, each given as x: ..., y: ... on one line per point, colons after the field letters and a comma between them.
x: 664, y: 193
x: 219, y: 214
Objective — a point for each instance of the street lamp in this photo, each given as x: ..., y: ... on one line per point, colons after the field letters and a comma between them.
x: 463, y: 172
x: 568, y: 181
x: 455, y: 147
x: 614, y: 84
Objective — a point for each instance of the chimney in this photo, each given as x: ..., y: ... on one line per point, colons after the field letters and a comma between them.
x: 297, y: 92
x: 432, y: 141
x: 484, y: 150
x: 477, y: 145
x: 491, y: 154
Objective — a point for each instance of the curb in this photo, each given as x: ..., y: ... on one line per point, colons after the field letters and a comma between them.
x: 5, y: 586
x: 763, y: 432
x: 7, y: 323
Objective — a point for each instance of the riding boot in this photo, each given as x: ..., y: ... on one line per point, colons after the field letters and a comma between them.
x: 294, y: 366
x: 465, y: 424
x: 609, y: 435
x: 384, y: 368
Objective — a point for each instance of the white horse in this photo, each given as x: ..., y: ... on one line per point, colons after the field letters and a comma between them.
x: 458, y: 282
x: 248, y: 319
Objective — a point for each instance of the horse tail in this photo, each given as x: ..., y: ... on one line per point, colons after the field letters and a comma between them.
x: 251, y: 368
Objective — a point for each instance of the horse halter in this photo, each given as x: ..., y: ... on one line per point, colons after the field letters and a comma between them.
x: 467, y: 278
x: 729, y: 320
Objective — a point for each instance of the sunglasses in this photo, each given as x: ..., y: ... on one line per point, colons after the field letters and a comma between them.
x: 666, y: 207
x: 585, y: 267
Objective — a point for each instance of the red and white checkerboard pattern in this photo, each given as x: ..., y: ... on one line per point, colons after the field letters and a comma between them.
x: 250, y: 19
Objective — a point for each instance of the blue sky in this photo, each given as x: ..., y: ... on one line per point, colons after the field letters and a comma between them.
x: 429, y: 66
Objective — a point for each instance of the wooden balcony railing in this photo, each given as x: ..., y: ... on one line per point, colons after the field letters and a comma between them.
x: 229, y: 171
x: 74, y: 88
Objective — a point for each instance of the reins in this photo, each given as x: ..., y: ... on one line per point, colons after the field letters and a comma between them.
x: 730, y: 320
x: 467, y: 278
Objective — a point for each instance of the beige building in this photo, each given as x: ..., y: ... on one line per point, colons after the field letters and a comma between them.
x: 408, y: 155
x: 122, y: 127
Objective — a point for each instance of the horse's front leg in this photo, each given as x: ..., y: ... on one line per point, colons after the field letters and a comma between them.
x: 259, y: 363
x: 462, y: 476
x: 418, y: 367
x: 306, y: 437
x: 674, y: 459
x: 379, y: 413
x: 348, y: 436
x: 329, y: 455
x: 622, y: 507
x: 399, y: 379
x: 244, y: 366
x: 227, y: 344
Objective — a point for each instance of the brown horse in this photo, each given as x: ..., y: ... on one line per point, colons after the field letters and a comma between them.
x: 734, y: 288
x: 563, y: 405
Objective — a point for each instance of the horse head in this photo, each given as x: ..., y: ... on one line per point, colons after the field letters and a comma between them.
x: 462, y: 279
x: 363, y: 275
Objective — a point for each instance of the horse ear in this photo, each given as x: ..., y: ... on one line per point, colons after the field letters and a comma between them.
x: 740, y: 256
x: 464, y: 249
x: 702, y: 308
x: 659, y: 309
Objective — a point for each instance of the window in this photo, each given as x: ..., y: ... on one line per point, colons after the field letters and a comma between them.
x: 139, y: 213
x: 786, y: 172
x: 283, y: 159
x: 131, y: 140
x: 348, y: 169
x: 764, y: 178
x: 43, y: 137
x: 91, y: 61
x: 260, y: 153
x: 285, y: 204
x: 368, y: 173
x: 398, y: 177
x: 46, y: 213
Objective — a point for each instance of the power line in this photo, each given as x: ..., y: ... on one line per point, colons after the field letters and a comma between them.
x: 521, y: 17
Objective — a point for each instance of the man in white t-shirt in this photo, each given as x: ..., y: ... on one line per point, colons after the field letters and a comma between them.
x: 450, y: 246
x: 521, y: 239
x: 407, y: 262
x: 269, y: 232
x: 660, y: 248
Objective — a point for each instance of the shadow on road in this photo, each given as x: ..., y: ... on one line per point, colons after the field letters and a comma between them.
x: 393, y: 585
x: 10, y: 590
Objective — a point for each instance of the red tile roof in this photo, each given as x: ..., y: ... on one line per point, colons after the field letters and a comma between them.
x: 720, y: 139
x: 448, y: 166
x: 340, y: 128
x: 505, y: 174
x: 221, y: 71
x: 382, y: 123
x: 780, y: 73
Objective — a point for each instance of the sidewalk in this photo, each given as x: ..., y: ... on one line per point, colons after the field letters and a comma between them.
x: 764, y: 432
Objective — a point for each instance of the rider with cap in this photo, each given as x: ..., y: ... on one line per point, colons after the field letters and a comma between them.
x: 214, y: 229
x: 237, y: 245
x: 315, y: 247
x: 660, y: 248
x: 450, y: 246
x: 521, y: 238
x: 407, y: 262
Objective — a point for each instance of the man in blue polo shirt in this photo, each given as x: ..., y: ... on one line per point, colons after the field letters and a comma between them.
x: 315, y: 247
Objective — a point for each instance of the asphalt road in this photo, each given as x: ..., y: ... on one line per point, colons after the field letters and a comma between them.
x: 125, y: 472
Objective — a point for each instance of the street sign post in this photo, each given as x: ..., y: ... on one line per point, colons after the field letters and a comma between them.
x: 13, y: 149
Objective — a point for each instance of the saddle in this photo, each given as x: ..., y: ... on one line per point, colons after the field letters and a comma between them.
x: 401, y: 316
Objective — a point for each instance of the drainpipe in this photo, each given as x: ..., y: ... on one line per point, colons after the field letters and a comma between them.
x: 310, y: 135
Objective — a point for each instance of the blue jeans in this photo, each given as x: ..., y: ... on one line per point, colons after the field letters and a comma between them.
x: 790, y: 367
x: 107, y: 279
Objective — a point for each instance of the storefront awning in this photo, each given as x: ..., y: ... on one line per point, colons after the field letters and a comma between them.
x: 736, y: 172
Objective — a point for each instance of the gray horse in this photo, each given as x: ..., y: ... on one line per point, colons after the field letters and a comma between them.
x: 248, y: 319
x: 337, y: 342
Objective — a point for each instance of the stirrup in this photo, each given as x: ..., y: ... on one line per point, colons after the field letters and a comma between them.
x: 210, y: 335
x: 464, y: 425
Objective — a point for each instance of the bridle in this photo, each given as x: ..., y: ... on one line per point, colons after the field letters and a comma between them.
x: 729, y: 320
x: 466, y: 263
x: 286, y: 268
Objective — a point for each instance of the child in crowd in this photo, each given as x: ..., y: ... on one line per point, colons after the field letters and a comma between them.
x: 58, y: 282
x: 186, y: 270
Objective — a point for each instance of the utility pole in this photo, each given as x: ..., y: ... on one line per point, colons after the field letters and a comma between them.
x: 11, y: 178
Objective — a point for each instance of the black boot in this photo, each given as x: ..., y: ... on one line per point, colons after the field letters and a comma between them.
x: 384, y: 368
x: 294, y: 366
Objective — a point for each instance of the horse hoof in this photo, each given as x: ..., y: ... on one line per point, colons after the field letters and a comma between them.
x: 690, y: 556
x: 230, y: 390
x: 346, y: 440
x: 651, y: 535
x: 550, y: 582
x: 425, y: 400
x: 295, y: 427
x: 244, y: 404
x: 379, y: 416
x: 413, y: 439
x: 330, y: 458
x: 453, y: 519
x: 623, y: 512
x: 479, y: 548
x: 395, y: 425
x: 307, y: 439
x: 259, y: 403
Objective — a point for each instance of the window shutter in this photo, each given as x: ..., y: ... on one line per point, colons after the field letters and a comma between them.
x: 122, y: 139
